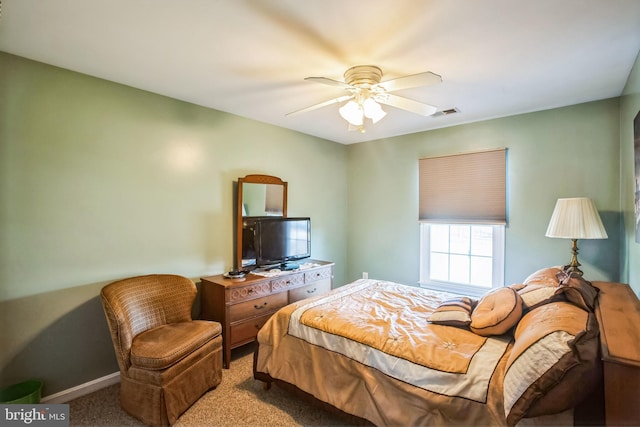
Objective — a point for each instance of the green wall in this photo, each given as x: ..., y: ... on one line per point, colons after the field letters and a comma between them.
x: 99, y: 181
x: 566, y: 152
x: 629, y: 108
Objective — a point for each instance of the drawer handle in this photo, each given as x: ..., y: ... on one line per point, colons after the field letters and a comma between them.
x: 250, y: 291
x: 310, y: 291
x: 259, y: 307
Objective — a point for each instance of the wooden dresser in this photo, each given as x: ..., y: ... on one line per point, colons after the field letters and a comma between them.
x: 243, y: 306
x: 618, y: 313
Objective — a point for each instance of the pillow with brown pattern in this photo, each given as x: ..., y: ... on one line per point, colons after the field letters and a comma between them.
x: 578, y: 291
x: 567, y: 337
x: 453, y: 312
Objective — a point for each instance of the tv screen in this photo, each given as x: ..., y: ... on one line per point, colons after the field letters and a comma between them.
x: 279, y: 240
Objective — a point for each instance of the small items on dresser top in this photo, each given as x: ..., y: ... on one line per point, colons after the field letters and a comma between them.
x: 235, y: 275
x: 276, y: 271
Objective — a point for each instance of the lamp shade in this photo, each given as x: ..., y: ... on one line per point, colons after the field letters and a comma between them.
x: 352, y: 112
x: 373, y: 110
x: 576, y: 218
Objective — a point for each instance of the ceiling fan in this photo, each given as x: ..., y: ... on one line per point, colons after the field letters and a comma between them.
x: 366, y: 92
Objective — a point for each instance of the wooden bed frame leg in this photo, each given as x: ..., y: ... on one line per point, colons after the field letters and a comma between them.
x: 266, y: 385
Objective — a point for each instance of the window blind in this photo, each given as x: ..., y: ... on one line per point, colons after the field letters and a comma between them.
x: 274, y: 199
x: 464, y: 188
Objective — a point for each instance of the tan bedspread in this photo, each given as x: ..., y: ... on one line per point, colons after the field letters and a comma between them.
x: 367, y: 349
x: 391, y: 318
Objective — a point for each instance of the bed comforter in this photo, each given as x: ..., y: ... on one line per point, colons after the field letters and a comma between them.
x: 367, y: 348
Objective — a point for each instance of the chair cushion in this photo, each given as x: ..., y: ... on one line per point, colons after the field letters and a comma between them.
x: 161, y: 347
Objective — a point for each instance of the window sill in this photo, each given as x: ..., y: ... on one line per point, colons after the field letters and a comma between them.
x: 456, y: 288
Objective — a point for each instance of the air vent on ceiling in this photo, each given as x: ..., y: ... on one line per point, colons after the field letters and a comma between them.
x: 446, y: 112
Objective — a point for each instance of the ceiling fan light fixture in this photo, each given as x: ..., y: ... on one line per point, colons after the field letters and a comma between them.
x: 352, y: 113
x: 373, y: 110
x: 367, y: 94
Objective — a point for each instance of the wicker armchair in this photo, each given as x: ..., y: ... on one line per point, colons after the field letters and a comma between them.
x: 167, y: 360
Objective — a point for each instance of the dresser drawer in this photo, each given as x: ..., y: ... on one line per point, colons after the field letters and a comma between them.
x: 252, y: 291
x: 287, y: 282
x: 246, y: 331
x: 256, y: 307
x: 243, y: 306
x: 311, y: 290
x: 319, y: 274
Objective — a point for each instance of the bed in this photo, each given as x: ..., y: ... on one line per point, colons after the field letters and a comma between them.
x: 392, y: 354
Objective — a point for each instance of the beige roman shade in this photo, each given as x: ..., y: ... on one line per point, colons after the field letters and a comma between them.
x: 464, y: 188
x: 273, y: 199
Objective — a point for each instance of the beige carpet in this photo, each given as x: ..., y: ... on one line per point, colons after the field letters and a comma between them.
x: 238, y: 401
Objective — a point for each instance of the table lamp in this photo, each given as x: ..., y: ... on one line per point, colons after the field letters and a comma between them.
x: 575, y: 218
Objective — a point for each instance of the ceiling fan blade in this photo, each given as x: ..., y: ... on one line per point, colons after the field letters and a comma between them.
x: 330, y: 82
x: 406, y: 104
x: 322, y: 104
x: 421, y: 79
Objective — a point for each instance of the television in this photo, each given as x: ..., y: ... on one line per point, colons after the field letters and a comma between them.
x: 277, y: 241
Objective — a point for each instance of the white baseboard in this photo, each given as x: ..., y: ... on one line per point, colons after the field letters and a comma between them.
x: 68, y: 395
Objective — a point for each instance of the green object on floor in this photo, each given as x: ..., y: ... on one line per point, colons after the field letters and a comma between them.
x: 22, y: 393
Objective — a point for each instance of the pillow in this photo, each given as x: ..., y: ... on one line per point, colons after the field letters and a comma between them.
x: 553, y: 364
x: 535, y: 295
x: 540, y: 288
x: 578, y: 291
x: 496, y: 312
x: 545, y: 276
x: 453, y: 312
x: 517, y: 286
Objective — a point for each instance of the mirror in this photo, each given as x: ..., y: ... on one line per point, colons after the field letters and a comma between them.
x: 257, y: 196
x: 262, y: 200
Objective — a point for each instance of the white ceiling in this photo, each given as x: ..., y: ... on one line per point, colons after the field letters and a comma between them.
x: 249, y: 57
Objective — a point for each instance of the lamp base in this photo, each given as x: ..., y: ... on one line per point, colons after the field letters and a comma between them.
x: 569, y: 269
x: 573, y: 265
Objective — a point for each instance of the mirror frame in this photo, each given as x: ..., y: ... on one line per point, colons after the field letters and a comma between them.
x: 254, y: 179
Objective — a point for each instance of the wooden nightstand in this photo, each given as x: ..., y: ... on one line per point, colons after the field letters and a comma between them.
x: 618, y: 313
x: 243, y: 306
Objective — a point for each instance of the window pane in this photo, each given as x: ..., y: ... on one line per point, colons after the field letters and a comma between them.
x: 481, y: 271
x: 482, y: 240
x: 439, y: 267
x: 459, y: 269
x: 467, y: 270
x: 460, y: 239
x: 439, y: 238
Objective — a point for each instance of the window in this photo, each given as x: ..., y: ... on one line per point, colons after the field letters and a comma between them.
x: 465, y: 258
x: 462, y: 221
